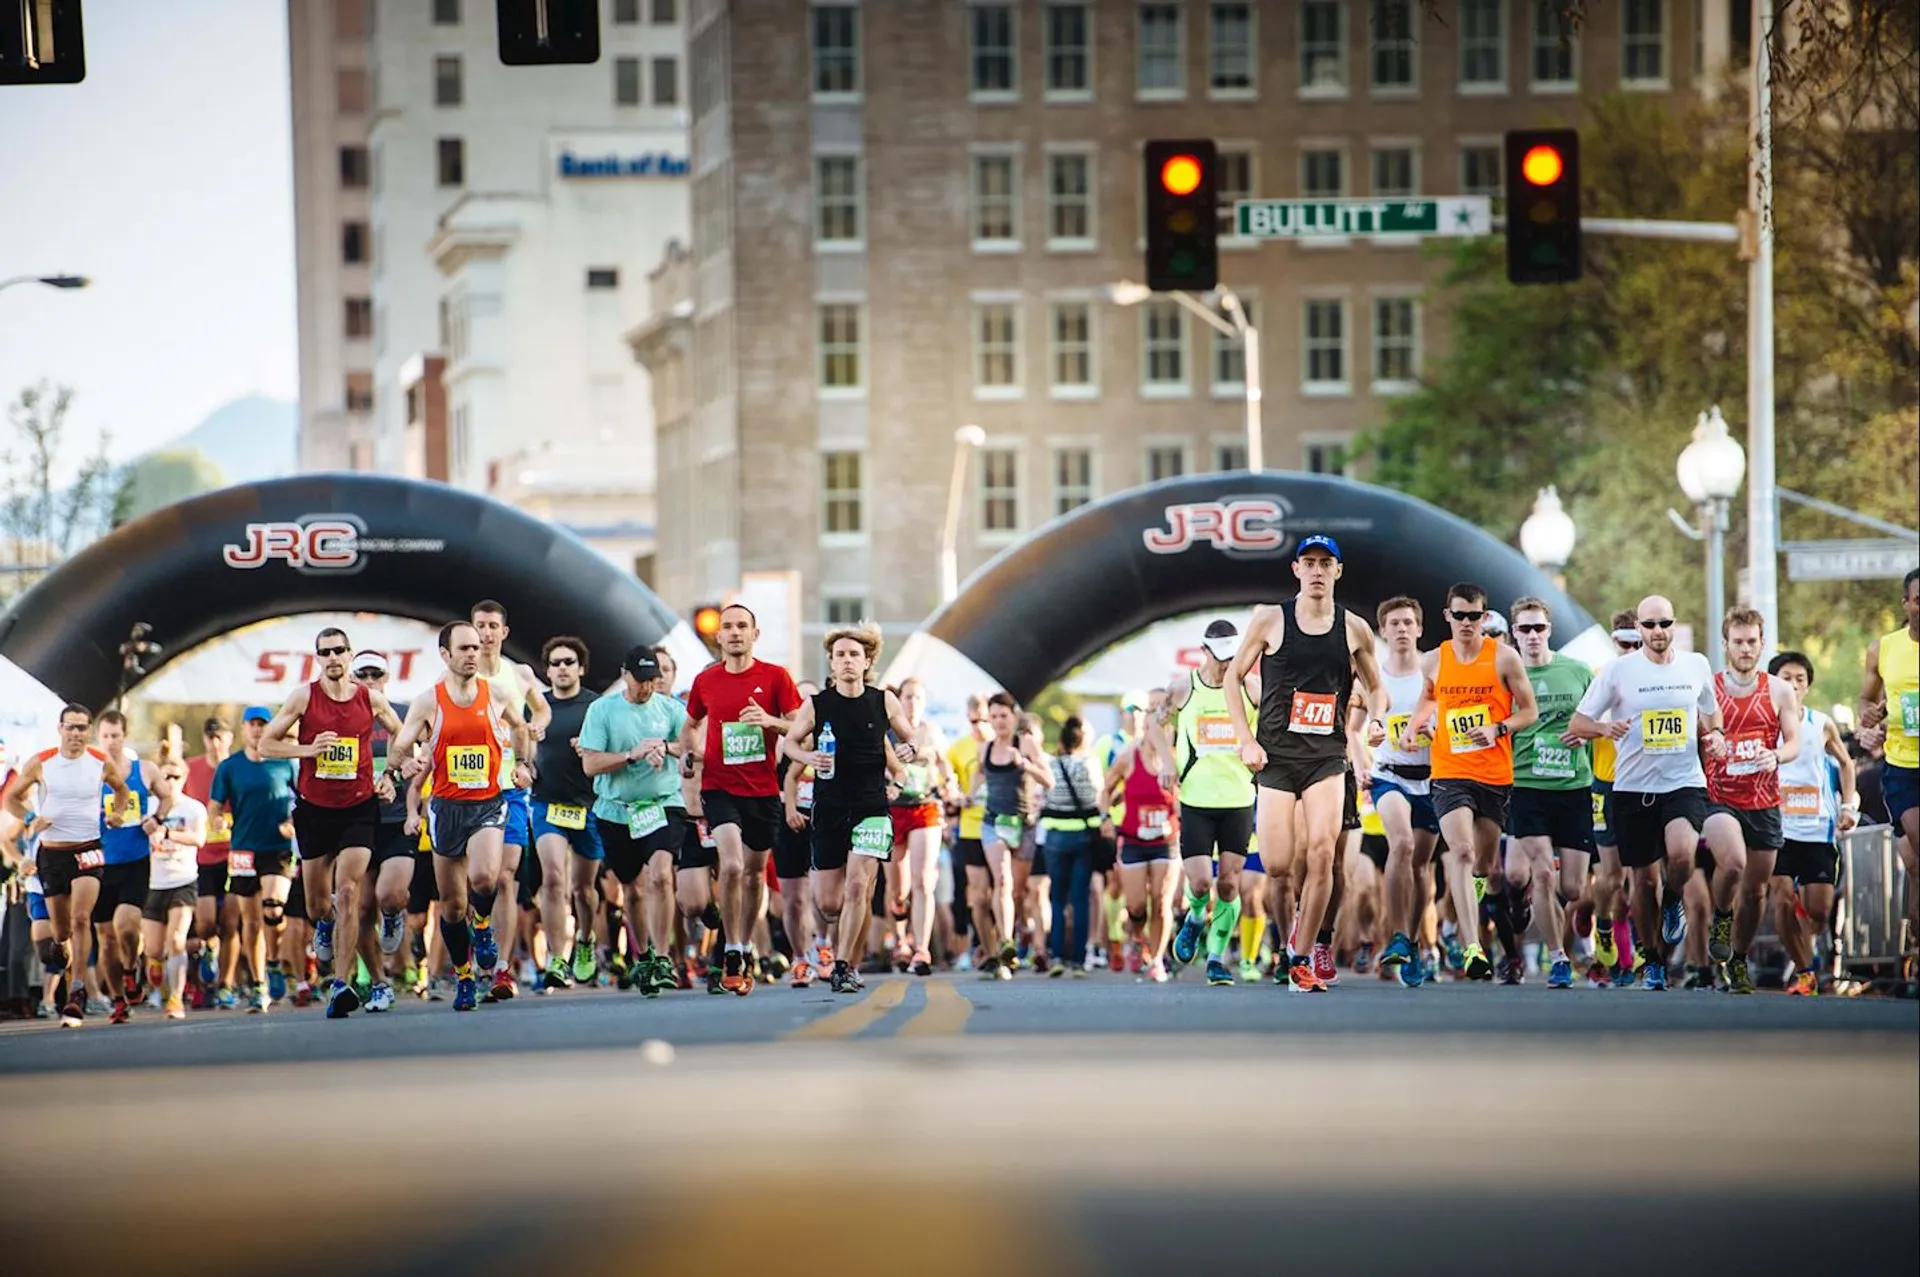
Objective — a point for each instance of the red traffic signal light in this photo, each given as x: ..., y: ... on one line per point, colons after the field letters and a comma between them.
x: 1542, y: 165
x: 1181, y: 174
x: 1182, y: 215
x: 706, y: 621
x: 1543, y: 206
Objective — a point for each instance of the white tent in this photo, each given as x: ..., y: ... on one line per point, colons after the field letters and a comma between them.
x: 29, y: 714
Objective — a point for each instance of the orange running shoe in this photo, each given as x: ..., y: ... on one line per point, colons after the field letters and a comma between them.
x: 802, y: 974
x: 733, y: 978
x: 1804, y: 985
x: 1300, y: 975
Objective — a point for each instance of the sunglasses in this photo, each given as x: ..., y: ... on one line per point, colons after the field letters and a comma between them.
x: 331, y: 651
x: 1666, y: 624
x: 1540, y: 628
x: 369, y: 673
x: 564, y: 660
x: 1466, y: 617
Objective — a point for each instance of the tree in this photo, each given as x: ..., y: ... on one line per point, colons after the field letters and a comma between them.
x: 43, y: 525
x: 160, y: 479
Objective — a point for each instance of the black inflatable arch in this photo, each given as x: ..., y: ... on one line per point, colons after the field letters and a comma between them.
x: 1108, y: 570
x: 320, y: 542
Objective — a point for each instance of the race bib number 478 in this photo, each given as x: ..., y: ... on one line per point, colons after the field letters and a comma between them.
x: 1312, y: 713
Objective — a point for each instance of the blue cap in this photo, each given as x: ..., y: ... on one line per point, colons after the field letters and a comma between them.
x: 257, y: 714
x: 1317, y: 543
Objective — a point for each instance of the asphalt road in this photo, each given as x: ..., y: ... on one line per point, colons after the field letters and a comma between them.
x: 1098, y: 1127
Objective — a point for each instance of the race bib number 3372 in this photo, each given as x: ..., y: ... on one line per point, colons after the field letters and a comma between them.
x: 742, y: 743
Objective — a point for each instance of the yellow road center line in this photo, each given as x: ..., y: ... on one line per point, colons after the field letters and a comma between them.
x: 946, y: 1013
x: 849, y: 1020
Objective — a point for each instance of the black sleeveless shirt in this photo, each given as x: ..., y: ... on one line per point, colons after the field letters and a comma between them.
x: 1317, y: 666
x: 859, y: 777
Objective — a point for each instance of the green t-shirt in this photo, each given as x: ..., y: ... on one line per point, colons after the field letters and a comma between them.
x: 615, y: 725
x: 1540, y: 761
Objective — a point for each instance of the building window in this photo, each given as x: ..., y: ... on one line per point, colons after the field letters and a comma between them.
x: 462, y: 449
x: 1230, y: 356
x: 353, y: 167
x: 1323, y: 174
x: 626, y: 81
x: 603, y: 277
x: 1643, y: 42
x: 840, y: 346
x: 1324, y: 456
x: 1396, y: 64
x: 999, y: 490
x: 359, y: 317
x: 1069, y: 36
x: 1070, y: 333
x: 837, y: 198
x: 840, y: 494
x: 1325, y: 347
x: 1229, y: 456
x: 843, y: 609
x: 446, y: 80
x: 1233, y: 181
x: 666, y: 82
x: 1163, y: 338
x: 350, y: 20
x: 1483, y: 44
x: 836, y: 50
x: 353, y: 243
x: 1072, y: 479
x: 359, y: 392
x: 1165, y: 461
x: 1069, y: 200
x: 996, y: 348
x: 664, y: 13
x: 1323, y: 47
x: 1395, y: 172
x: 452, y: 157
x: 1230, y: 50
x: 991, y: 29
x: 446, y: 13
x: 1555, y: 61
x: 1396, y: 343
x: 996, y: 198
x: 1162, y: 70
x: 626, y: 12
x: 1480, y: 169
x: 350, y: 90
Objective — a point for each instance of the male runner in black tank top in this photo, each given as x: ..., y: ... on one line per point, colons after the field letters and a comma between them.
x: 1309, y: 650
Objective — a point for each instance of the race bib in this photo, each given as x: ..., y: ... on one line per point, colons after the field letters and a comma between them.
x: 645, y: 818
x: 803, y: 795
x: 1008, y: 829
x: 706, y: 835
x: 742, y: 743
x: 1397, y: 726
x: 1599, y: 812
x: 1312, y: 713
x: 566, y: 816
x: 1663, y: 731
x: 220, y: 828
x: 91, y: 859
x: 1801, y: 800
x: 467, y: 767
x: 1553, y: 762
x: 1743, y: 755
x: 1910, y: 713
x: 240, y: 863
x: 873, y: 837
x: 122, y: 812
x: 1460, y: 725
x: 1213, y: 734
x: 1153, y: 823
x: 338, y: 761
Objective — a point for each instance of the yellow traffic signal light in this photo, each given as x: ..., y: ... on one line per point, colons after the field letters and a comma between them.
x: 706, y: 622
x: 1182, y: 215
x: 1543, y: 206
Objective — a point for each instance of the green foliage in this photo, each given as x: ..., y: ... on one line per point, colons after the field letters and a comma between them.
x: 41, y: 524
x: 159, y: 479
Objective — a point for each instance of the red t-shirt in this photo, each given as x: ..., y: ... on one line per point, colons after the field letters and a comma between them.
x: 199, y: 785
x: 740, y: 758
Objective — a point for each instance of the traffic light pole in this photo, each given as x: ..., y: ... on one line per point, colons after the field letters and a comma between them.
x: 1249, y: 337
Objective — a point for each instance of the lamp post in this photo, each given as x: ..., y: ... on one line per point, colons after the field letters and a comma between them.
x: 51, y: 281
x: 1710, y: 470
x: 1236, y: 324
x: 1548, y: 535
x: 965, y: 439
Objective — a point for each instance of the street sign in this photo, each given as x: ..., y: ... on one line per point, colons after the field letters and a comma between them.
x: 1885, y: 559
x: 1453, y: 215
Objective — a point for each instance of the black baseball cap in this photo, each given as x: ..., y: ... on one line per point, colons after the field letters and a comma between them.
x: 641, y: 663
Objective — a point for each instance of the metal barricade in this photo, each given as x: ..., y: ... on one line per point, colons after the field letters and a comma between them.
x: 1872, y: 908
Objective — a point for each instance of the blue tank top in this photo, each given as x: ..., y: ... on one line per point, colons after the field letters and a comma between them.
x: 122, y: 841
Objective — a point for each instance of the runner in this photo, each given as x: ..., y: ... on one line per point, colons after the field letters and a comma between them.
x: 66, y: 819
x: 1399, y: 783
x: 123, y: 878
x: 1761, y: 715
x: 1139, y: 777
x: 216, y: 921
x: 1812, y: 815
x: 254, y: 795
x: 523, y: 688
x: 1478, y: 695
x: 736, y: 713
x: 1552, y: 787
x: 1662, y: 707
x: 793, y: 868
x: 384, y: 906
x: 1613, y: 949
x: 177, y: 827
x: 468, y: 723
x: 1071, y: 821
x: 852, y: 827
x: 1309, y: 650
x: 1009, y: 764
x: 1216, y: 800
x: 566, y: 843
x: 1890, y: 714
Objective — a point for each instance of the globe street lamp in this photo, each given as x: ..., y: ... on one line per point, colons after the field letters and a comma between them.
x: 1710, y: 470
x: 1237, y: 324
x: 1547, y: 537
x: 965, y: 439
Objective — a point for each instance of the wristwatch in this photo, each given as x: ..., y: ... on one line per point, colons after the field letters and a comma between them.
x: 1500, y: 728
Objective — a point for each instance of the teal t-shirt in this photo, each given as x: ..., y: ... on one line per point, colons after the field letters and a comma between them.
x: 615, y: 725
x: 1540, y: 761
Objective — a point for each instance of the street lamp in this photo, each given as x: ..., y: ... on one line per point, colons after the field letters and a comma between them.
x: 1710, y: 470
x: 51, y: 281
x: 1129, y: 293
x: 965, y: 439
x: 1547, y: 537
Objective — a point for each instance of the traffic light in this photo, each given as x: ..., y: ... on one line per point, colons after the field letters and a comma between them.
x: 1182, y: 215
x: 1543, y: 206
x: 535, y: 33
x: 706, y: 623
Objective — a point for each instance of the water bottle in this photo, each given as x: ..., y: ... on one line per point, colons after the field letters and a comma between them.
x: 825, y: 771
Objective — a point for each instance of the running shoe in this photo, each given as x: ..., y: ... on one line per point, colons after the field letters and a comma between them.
x: 1413, y: 973
x: 802, y: 974
x: 486, y: 950
x: 1720, y: 937
x: 73, y: 1015
x: 1301, y: 978
x: 990, y: 968
x: 715, y: 981
x: 122, y: 1012
x: 343, y: 1001
x: 1186, y: 943
x: 303, y: 994
x: 1512, y: 971
x: 583, y: 963
x: 1136, y: 958
x: 1604, y: 951
x: 1363, y: 960
x: 175, y: 1010
x: 393, y: 932
x: 1560, y: 975
x: 1739, y: 979
x: 902, y: 957
x: 225, y: 999
x: 1250, y: 971
x: 1398, y: 950
x: 436, y: 989
x: 1597, y: 976
x: 1116, y: 958
x: 98, y: 1006
x: 1058, y: 971
x: 276, y: 983
x: 843, y: 980
x: 209, y: 970
x: 1698, y: 977
x: 463, y: 995
x: 42, y: 1011
x: 380, y: 997
x: 1622, y: 976
x: 1673, y: 922
x: 923, y: 963
x: 823, y: 959
x: 1456, y: 954
x: 734, y: 976
x: 260, y: 1002
x: 555, y: 977
x: 1477, y: 966
x: 1655, y: 978
x: 1323, y: 968
x: 1009, y: 955
x: 1156, y: 971
x: 323, y: 941
x: 1804, y: 985
x: 502, y: 990
x: 1217, y: 973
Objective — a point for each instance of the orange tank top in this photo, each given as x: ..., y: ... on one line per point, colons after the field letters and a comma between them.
x: 466, y: 746
x: 1470, y: 694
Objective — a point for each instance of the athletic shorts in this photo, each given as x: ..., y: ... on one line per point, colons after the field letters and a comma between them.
x: 425, y: 888
x: 1759, y: 830
x: 627, y: 856
x: 585, y: 841
x: 457, y: 820
x: 390, y: 842
x: 519, y: 828
x: 213, y: 880
x: 758, y: 819
x: 1420, y: 806
x: 1297, y: 776
x: 528, y: 878
x: 1602, y: 795
x: 123, y: 884
x: 698, y: 851
x: 1486, y: 802
x: 37, y: 908
x: 59, y: 866
x: 1203, y: 829
x: 256, y: 865
x: 1254, y: 864
x: 1143, y: 853
x: 1104, y: 853
x: 908, y: 819
x: 158, y: 903
x: 973, y: 852
x: 325, y: 831
x: 1374, y: 848
x: 1640, y: 822
x: 1808, y: 863
x: 1900, y: 787
x: 793, y: 849
x: 1563, y: 815
x: 843, y: 832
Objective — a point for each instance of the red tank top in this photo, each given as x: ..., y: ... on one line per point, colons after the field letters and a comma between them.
x: 342, y: 776
x: 1752, y: 724
x: 1149, y: 806
x: 466, y: 746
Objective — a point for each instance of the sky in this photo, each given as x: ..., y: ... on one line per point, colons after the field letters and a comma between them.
x: 166, y: 178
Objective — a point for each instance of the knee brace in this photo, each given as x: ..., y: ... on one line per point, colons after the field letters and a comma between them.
x: 53, y: 955
x: 1139, y: 916
x: 898, y: 910
x: 273, y: 912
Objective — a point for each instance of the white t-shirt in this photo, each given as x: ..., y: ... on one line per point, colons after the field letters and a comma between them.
x: 1661, y: 704
x: 175, y: 864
